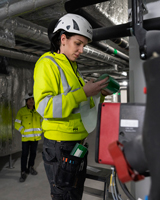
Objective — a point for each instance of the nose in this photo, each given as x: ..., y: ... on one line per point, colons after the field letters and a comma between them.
x: 81, y: 49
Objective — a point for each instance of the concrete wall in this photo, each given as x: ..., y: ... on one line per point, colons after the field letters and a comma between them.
x: 14, y: 86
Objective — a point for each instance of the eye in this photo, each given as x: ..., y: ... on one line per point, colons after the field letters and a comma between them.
x: 78, y: 43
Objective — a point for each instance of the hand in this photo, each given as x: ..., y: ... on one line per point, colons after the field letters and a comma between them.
x: 105, y: 93
x: 92, y: 88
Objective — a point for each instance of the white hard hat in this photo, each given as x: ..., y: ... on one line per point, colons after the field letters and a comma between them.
x: 73, y: 23
x: 28, y: 96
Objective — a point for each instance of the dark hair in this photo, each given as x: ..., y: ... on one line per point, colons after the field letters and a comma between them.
x: 56, y: 40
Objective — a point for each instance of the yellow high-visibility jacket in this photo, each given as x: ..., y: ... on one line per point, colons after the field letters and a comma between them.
x: 28, y: 122
x: 58, y: 92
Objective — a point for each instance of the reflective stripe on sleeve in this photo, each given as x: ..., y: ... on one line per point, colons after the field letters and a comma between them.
x: 32, y: 129
x: 18, y: 121
x: 43, y: 104
x: 57, y: 106
x: 20, y: 128
x: 31, y: 135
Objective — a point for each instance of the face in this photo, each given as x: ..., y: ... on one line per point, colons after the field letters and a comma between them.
x: 30, y: 102
x: 73, y: 47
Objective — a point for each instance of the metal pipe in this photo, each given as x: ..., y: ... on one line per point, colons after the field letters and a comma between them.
x: 108, y: 49
x: 121, y: 42
x: 89, y: 52
x: 105, y: 33
x: 24, y: 28
x: 90, y: 71
x: 18, y: 55
x: 123, y: 30
x: 73, y: 5
x: 37, y: 33
x: 9, y: 10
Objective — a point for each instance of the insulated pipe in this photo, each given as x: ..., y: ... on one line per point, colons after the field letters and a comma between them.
x: 30, y: 30
x: 123, y: 30
x: 121, y: 42
x: 18, y: 55
x: 90, y: 71
x: 102, y: 57
x: 108, y: 49
x: 24, y: 28
x: 88, y: 52
x: 8, y: 10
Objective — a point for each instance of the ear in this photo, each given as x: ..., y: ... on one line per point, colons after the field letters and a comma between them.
x: 63, y: 39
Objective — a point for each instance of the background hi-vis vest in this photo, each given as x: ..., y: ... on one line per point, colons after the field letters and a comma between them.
x: 28, y: 123
x: 58, y: 92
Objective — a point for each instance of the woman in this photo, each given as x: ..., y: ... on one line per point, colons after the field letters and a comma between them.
x: 59, y: 90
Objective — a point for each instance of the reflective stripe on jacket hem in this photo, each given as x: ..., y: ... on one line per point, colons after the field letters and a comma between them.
x: 31, y: 135
x: 32, y: 129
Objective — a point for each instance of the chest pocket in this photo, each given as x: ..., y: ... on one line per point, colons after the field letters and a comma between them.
x: 27, y: 119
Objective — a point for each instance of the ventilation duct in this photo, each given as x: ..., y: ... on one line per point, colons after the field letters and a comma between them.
x: 18, y: 55
x: 24, y: 28
x: 9, y: 8
x: 37, y: 33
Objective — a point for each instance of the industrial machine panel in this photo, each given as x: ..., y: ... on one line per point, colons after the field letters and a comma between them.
x: 117, y: 121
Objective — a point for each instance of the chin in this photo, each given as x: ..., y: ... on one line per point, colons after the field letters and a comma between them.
x: 73, y: 59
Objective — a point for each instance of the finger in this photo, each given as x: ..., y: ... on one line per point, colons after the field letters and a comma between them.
x: 104, y: 81
x: 103, y: 86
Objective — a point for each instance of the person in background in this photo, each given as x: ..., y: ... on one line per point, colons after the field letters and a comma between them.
x: 59, y: 90
x: 28, y: 123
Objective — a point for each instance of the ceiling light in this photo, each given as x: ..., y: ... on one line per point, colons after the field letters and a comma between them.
x: 124, y: 73
x: 124, y: 83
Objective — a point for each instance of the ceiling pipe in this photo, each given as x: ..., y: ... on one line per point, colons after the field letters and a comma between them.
x: 18, y: 55
x: 26, y: 29
x: 90, y: 71
x: 8, y: 10
x: 108, y: 49
x: 35, y: 32
x: 73, y: 5
x: 121, y: 42
x: 123, y: 30
x: 90, y: 52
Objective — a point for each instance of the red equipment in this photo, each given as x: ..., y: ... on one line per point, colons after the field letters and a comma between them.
x: 117, y: 124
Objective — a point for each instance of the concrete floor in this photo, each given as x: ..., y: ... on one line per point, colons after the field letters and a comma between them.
x: 37, y: 187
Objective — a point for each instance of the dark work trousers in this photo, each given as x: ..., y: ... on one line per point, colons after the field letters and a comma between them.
x: 28, y: 148
x: 53, y: 152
